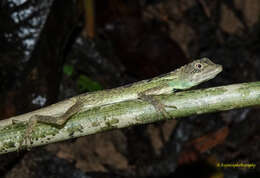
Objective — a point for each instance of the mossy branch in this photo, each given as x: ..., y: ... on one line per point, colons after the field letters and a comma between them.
x: 127, y: 113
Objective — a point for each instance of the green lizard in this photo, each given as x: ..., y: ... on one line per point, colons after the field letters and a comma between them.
x: 183, y: 78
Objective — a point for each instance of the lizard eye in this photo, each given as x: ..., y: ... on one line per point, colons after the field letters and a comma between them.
x: 198, y: 66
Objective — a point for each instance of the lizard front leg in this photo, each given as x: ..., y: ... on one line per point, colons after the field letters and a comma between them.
x: 149, y: 96
x: 56, y: 121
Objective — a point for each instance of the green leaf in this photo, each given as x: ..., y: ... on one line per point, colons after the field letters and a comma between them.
x: 86, y: 84
x: 68, y: 70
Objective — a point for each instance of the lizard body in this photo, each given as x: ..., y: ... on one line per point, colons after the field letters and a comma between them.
x: 183, y: 78
x: 187, y: 76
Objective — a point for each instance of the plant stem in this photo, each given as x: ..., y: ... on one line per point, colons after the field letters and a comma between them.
x: 127, y: 113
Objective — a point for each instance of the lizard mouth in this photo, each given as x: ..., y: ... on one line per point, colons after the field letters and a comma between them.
x: 209, y: 74
x: 214, y: 72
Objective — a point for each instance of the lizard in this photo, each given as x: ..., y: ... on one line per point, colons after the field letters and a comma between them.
x: 183, y: 78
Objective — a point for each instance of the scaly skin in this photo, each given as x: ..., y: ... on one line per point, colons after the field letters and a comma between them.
x: 187, y: 76
x: 183, y: 78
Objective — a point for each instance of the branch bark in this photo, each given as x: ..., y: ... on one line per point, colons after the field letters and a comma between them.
x: 127, y: 113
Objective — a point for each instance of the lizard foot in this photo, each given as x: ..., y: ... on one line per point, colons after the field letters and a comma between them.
x: 160, y: 107
x: 26, y: 140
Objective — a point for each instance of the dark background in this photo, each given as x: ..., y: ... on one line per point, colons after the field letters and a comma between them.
x: 51, y: 50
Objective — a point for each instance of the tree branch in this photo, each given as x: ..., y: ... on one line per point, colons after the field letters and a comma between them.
x: 127, y: 113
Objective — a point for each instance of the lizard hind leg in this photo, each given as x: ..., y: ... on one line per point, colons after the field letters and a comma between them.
x: 55, y: 121
x: 26, y: 140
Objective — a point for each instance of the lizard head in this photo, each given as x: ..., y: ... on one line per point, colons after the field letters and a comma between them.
x: 196, y: 72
